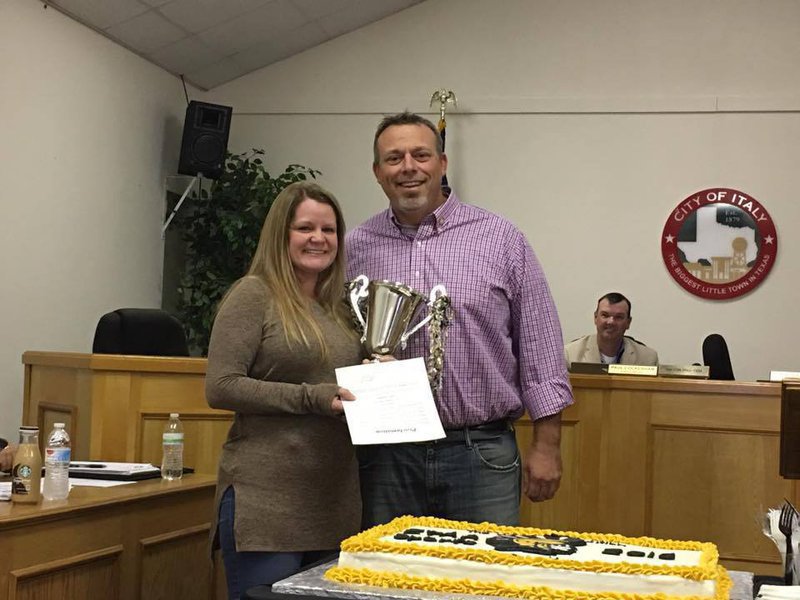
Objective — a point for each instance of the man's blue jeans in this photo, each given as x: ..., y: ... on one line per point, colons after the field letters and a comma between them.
x: 244, y: 570
x: 473, y: 478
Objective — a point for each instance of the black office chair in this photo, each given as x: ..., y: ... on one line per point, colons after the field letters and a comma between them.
x: 716, y: 357
x: 140, y: 331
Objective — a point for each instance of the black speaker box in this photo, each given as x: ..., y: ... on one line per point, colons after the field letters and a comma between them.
x: 205, y: 139
x: 790, y: 431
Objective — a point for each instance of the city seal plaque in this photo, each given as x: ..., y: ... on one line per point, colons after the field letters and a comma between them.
x: 719, y: 243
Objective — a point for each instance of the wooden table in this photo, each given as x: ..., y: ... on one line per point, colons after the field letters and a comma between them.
x: 144, y: 540
x: 670, y: 458
x: 115, y: 407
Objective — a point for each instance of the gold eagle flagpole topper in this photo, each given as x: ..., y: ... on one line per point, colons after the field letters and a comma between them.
x: 443, y: 97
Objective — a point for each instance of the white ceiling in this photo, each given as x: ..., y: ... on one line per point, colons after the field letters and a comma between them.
x: 211, y: 42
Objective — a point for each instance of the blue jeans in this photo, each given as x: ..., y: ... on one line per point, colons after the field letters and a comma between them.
x: 475, y: 478
x: 244, y: 570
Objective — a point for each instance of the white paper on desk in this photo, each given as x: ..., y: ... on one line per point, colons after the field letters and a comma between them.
x: 102, y: 483
x: 393, y: 403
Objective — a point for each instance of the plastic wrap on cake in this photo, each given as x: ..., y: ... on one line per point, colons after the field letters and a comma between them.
x: 742, y: 585
x: 313, y: 583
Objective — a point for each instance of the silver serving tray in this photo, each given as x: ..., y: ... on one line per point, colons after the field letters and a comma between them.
x: 313, y: 583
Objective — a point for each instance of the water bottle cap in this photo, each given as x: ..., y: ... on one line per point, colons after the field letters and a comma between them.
x: 28, y: 428
x: 173, y: 415
x: 58, y: 425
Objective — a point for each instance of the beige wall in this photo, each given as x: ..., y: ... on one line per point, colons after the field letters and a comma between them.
x: 88, y: 132
x: 584, y: 122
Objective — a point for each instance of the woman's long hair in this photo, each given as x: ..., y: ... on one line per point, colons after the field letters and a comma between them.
x: 272, y: 265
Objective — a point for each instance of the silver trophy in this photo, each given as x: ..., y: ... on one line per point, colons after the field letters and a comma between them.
x: 390, y: 309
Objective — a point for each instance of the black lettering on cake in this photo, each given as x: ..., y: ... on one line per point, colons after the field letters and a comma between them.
x: 667, y: 556
x: 636, y: 553
x: 612, y: 551
x: 411, y: 534
x: 651, y: 555
x: 543, y: 545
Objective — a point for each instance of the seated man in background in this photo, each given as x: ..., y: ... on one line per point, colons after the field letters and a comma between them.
x: 610, y: 345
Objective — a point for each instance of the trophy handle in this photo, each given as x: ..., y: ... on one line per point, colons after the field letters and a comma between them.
x: 437, y: 292
x: 410, y: 332
x: 359, y: 289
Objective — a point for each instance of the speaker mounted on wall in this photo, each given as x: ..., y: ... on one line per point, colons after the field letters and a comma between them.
x: 790, y: 430
x: 205, y: 139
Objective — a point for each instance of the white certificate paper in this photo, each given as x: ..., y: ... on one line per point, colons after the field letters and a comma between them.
x: 393, y: 403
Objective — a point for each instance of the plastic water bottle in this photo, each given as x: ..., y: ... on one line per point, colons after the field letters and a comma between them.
x: 172, y: 445
x: 56, y: 464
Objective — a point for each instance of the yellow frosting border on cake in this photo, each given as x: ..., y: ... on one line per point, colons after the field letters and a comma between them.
x: 498, y: 588
x: 370, y: 541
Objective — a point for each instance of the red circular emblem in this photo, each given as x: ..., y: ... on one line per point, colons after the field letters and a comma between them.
x: 719, y: 243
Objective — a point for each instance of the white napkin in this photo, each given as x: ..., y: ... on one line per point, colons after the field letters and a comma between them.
x: 779, y: 592
x: 771, y: 530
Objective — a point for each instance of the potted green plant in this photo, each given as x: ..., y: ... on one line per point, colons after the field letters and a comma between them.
x: 219, y: 229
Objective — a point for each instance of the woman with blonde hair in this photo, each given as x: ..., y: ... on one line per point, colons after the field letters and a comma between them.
x: 287, y: 492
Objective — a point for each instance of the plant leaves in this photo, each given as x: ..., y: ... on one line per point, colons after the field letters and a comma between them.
x: 220, y: 231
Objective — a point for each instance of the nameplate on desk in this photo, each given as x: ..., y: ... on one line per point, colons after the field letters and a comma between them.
x: 585, y: 368
x: 693, y: 371
x: 633, y: 370
x: 783, y: 375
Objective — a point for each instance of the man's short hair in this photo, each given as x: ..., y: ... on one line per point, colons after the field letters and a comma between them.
x: 404, y: 118
x: 615, y: 298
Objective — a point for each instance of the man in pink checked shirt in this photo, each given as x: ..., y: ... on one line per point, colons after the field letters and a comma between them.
x: 503, y: 351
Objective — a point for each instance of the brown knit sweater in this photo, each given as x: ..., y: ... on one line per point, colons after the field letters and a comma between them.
x: 287, y: 456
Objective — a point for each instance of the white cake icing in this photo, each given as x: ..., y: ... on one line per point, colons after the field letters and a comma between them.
x: 434, y: 554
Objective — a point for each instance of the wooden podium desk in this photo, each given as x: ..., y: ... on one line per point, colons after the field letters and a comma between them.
x: 670, y: 458
x: 143, y: 540
x: 115, y: 407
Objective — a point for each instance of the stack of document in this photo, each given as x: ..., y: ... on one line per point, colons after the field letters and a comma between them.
x: 117, y: 471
